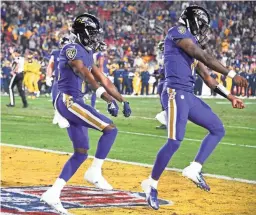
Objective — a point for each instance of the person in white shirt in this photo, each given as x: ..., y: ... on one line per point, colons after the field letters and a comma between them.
x: 17, y: 78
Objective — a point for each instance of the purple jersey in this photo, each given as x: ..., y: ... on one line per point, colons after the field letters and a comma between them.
x: 69, y: 82
x: 55, y: 54
x: 179, y: 66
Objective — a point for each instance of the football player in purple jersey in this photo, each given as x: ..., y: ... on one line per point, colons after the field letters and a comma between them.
x: 183, y: 53
x: 161, y: 117
x: 53, y: 73
x: 75, y: 67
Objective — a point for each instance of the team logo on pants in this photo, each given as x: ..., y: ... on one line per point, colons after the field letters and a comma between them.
x: 172, y: 95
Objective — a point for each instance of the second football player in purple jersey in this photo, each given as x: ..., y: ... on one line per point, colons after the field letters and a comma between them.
x: 182, y: 54
x: 161, y: 117
x: 53, y: 73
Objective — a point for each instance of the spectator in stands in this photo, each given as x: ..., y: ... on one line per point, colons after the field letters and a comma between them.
x: 131, y: 29
x: 144, y: 79
x: 126, y: 84
x: 198, y: 85
x: 117, y: 78
x: 138, y: 61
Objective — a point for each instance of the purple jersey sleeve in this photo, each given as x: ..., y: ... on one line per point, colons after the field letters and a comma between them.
x: 179, y: 32
x: 74, y: 52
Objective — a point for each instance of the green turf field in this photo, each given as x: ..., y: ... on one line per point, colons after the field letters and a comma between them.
x: 138, y: 140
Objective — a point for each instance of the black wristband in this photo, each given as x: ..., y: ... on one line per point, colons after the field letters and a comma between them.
x: 221, y: 90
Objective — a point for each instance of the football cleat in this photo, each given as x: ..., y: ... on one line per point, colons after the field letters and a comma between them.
x: 55, y: 118
x: 9, y: 105
x: 25, y: 105
x: 151, y: 194
x: 161, y: 117
x: 94, y: 176
x: 161, y: 127
x: 62, y: 122
x: 196, y: 177
x: 52, y: 199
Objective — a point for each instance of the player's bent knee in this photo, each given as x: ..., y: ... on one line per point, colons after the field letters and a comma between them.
x: 81, y: 150
x: 173, y: 145
x: 220, y: 131
x: 80, y: 157
x: 109, y: 128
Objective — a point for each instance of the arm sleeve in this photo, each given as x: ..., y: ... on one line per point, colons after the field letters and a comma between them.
x: 177, y: 33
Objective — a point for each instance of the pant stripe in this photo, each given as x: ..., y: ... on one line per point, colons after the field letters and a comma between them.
x: 94, y: 121
x: 172, y: 113
x: 11, y: 91
x: 83, y: 114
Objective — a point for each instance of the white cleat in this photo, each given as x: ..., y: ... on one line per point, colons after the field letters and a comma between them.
x: 55, y: 118
x: 161, y: 117
x: 190, y: 174
x: 37, y: 94
x: 151, y: 194
x: 146, y: 187
x: 62, y: 122
x: 195, y: 175
x: 52, y: 199
x: 94, y: 176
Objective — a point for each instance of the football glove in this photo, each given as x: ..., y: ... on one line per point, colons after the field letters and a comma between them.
x: 48, y: 81
x: 126, y: 109
x: 113, y: 108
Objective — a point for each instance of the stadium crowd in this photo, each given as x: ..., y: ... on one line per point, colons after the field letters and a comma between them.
x: 132, y: 31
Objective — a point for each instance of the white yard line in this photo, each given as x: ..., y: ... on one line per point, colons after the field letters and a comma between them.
x: 189, y: 139
x: 227, y: 103
x: 228, y: 126
x: 240, y: 127
x: 148, y: 118
x: 131, y: 163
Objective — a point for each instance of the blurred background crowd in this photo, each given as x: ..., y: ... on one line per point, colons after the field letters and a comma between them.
x: 132, y: 31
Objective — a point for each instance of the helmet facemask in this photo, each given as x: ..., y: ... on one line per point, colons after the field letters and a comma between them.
x: 203, y: 32
x: 197, y: 20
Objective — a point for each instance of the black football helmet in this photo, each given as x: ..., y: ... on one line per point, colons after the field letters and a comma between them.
x: 88, y: 30
x: 197, y: 21
x: 160, y: 46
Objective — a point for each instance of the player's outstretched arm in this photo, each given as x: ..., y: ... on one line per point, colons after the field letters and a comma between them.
x: 196, y: 52
x: 218, y: 88
x: 111, y: 89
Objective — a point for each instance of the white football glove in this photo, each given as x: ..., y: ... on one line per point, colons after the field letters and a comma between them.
x: 48, y: 81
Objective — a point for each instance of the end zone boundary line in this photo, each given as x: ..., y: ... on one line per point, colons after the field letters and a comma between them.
x: 129, y: 162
